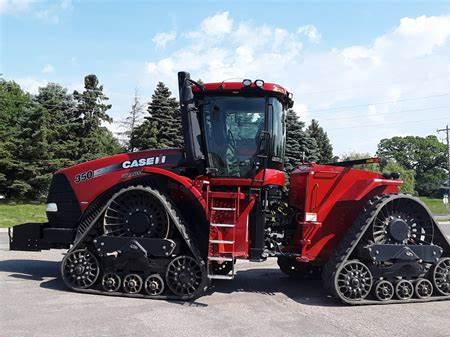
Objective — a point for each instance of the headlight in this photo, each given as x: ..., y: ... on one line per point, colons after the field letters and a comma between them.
x: 51, y: 207
x: 259, y: 83
x: 247, y: 82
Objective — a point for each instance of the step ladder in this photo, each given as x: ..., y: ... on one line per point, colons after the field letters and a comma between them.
x: 220, y: 229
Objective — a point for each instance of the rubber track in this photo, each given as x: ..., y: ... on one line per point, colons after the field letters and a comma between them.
x: 179, y: 224
x: 351, y: 240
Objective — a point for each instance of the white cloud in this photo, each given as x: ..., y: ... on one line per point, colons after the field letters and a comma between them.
x: 409, y: 61
x: 48, y: 68
x: 311, y: 32
x: 31, y: 84
x: 162, y: 39
x: 217, y: 24
x: 43, y: 11
x: 15, y: 6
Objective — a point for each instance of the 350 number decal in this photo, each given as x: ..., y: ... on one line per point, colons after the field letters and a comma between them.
x: 79, y: 178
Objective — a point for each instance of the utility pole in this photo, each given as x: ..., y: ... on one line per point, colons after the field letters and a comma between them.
x: 446, y: 130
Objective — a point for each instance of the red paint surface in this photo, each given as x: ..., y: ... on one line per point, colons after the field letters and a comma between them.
x: 337, y: 195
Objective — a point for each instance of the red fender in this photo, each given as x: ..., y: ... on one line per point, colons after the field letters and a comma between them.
x: 186, y: 182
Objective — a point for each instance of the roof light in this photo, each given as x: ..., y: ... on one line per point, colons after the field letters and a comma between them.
x: 259, y: 83
x: 247, y: 82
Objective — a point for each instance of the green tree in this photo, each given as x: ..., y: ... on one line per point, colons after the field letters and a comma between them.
x: 90, y: 112
x: 62, y: 137
x: 425, y: 155
x: 322, y: 140
x: 162, y: 126
x: 15, y: 105
x: 300, y: 146
x: 407, y: 176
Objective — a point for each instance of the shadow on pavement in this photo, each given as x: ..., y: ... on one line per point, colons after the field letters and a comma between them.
x: 34, y: 270
x: 267, y: 281
x: 271, y: 282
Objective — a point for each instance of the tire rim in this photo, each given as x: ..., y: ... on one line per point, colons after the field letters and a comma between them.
x: 154, y: 285
x: 184, y: 276
x: 111, y: 282
x: 441, y: 276
x: 353, y: 281
x: 392, y: 225
x: 132, y: 284
x: 136, y: 212
x: 384, y: 290
x: 80, y: 269
x: 404, y: 290
x: 423, y: 288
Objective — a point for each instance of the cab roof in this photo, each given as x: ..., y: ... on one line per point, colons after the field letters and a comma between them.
x: 239, y: 87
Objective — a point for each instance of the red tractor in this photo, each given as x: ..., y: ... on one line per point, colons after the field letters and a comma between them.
x: 163, y: 223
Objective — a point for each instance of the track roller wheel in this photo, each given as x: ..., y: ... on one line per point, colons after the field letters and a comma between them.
x: 80, y: 269
x: 184, y: 276
x: 404, y: 290
x: 132, y: 284
x: 353, y: 281
x: 154, y: 285
x: 441, y: 276
x: 423, y: 288
x: 384, y: 290
x: 111, y: 282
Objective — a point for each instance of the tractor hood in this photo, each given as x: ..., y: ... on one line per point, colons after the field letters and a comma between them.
x: 123, y: 162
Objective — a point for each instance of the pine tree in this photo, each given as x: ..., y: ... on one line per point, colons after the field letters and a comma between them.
x: 300, y: 146
x: 62, y: 141
x: 162, y: 127
x: 322, y: 140
x: 95, y: 140
x: 131, y: 122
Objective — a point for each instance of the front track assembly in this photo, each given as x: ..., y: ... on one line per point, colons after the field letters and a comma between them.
x: 394, y: 253
x: 129, y: 252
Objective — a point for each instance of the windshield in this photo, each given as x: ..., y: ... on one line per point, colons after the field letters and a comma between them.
x: 233, y: 128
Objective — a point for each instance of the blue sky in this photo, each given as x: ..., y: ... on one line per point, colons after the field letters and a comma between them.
x: 364, y: 70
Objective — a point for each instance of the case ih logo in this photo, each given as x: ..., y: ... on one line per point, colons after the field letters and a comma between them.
x: 143, y: 162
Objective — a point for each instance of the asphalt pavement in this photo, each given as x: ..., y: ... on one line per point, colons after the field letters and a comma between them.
x: 260, y: 301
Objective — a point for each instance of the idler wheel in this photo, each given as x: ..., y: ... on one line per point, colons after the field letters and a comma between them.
x: 441, y: 276
x: 184, y: 276
x: 353, y: 281
x: 80, y: 269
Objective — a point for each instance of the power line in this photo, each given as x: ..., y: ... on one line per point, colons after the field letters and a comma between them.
x: 389, y: 123
x: 384, y: 113
x: 380, y: 103
x: 379, y: 84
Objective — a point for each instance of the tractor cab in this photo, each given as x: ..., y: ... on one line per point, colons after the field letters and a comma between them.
x: 233, y: 129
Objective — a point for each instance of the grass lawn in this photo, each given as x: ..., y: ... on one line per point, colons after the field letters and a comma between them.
x: 436, y: 206
x: 11, y: 215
